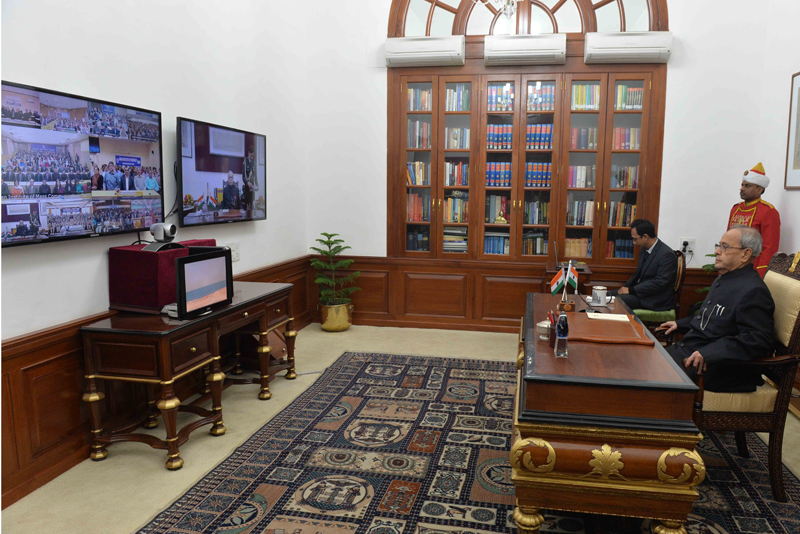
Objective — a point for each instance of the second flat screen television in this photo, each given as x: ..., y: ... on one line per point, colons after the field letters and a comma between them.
x: 222, y: 175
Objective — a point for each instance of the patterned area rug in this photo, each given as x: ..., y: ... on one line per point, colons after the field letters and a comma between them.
x: 385, y: 444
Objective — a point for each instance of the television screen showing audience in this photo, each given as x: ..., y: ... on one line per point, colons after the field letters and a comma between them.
x: 75, y: 167
x: 222, y: 175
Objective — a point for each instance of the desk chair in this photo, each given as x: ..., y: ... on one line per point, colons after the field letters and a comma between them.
x: 653, y: 319
x: 763, y: 410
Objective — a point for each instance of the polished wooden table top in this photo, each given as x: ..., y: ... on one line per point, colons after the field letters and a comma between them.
x: 137, y: 323
x: 599, y: 383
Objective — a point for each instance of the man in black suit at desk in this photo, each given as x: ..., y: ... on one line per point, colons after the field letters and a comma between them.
x: 652, y: 285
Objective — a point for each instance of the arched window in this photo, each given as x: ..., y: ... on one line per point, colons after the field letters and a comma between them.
x: 481, y: 17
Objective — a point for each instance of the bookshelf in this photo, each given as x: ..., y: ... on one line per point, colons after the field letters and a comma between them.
x: 523, y: 166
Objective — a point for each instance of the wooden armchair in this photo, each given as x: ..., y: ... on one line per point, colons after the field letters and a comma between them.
x: 653, y: 319
x: 765, y: 409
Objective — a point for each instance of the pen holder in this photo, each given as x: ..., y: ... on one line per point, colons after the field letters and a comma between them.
x: 552, y: 339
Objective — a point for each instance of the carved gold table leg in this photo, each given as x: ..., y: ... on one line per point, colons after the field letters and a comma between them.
x: 93, y: 397
x: 237, y: 370
x: 169, y: 411
x: 204, y: 388
x: 215, y: 380
x: 152, y: 412
x: 264, y: 352
x: 669, y: 527
x: 290, y: 335
x: 528, y: 519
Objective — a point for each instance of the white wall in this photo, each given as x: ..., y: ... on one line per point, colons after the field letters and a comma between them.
x: 221, y: 63
x: 727, y: 109
x: 312, y: 81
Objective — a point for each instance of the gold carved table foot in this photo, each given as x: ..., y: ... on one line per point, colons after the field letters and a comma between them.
x: 528, y: 519
x: 669, y: 527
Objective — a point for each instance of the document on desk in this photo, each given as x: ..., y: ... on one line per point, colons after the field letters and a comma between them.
x: 608, y: 317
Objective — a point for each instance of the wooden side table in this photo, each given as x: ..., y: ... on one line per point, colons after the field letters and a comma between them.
x: 158, y: 350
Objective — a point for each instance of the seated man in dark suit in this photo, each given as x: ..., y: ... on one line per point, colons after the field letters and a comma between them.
x: 736, y: 321
x: 652, y: 286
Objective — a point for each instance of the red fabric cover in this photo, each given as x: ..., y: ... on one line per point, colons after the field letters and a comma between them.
x: 199, y: 243
x: 141, y: 278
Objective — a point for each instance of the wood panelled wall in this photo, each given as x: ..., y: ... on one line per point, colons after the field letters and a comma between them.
x: 45, y: 424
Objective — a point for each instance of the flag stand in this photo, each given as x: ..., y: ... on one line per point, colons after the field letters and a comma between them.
x: 566, y: 305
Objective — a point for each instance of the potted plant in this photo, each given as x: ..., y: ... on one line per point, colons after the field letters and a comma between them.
x: 336, y: 312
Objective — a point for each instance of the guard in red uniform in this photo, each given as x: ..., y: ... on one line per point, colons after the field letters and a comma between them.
x: 756, y: 213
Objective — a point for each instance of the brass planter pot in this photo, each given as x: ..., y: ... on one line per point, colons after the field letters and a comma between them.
x: 336, y: 318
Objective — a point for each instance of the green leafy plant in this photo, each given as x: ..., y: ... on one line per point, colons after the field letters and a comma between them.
x: 334, y: 289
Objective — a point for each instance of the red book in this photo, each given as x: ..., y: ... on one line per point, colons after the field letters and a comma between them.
x: 574, y: 140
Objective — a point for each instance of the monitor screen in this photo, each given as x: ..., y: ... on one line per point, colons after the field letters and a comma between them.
x: 222, y: 175
x: 204, y: 282
x: 76, y: 167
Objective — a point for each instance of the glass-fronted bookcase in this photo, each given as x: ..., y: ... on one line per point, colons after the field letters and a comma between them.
x: 522, y: 167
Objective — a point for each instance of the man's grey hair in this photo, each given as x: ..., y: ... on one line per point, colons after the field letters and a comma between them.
x: 750, y: 238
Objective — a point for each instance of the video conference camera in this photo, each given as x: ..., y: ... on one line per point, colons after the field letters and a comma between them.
x: 163, y: 233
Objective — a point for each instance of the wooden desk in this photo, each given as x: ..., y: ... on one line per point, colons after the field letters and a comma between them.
x: 608, y: 430
x: 158, y: 350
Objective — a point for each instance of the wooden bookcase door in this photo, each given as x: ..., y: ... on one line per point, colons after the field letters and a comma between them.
x: 418, y: 142
x: 457, y: 167
x: 582, y: 136
x: 625, y: 159
x: 537, y: 178
x: 498, y: 190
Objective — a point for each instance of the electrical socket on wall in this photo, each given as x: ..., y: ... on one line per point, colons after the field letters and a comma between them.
x: 234, y: 250
x: 687, y: 245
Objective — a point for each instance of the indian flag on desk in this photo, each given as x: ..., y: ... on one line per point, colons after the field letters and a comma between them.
x: 558, y: 281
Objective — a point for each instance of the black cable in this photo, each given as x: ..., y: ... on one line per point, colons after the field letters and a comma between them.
x: 177, y: 192
x: 140, y: 240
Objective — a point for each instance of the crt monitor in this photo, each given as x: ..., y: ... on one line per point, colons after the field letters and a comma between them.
x: 222, y: 174
x: 76, y: 167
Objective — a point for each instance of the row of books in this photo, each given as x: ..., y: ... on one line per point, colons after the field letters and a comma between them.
x: 418, y: 173
x: 495, y: 243
x: 456, y: 137
x: 580, y: 212
x: 541, y: 97
x: 583, y: 139
x: 501, y: 97
x: 499, y: 136
x: 586, y: 97
x: 419, y: 134
x: 537, y: 212
x: 621, y: 213
x: 624, y: 176
x: 419, y: 99
x: 454, y: 239
x: 498, y: 174
x: 629, y: 97
x: 534, y: 243
x: 419, y: 240
x: 581, y: 175
x: 627, y: 138
x: 539, y: 137
x: 619, y: 248
x: 456, y: 173
x: 578, y: 247
x: 456, y: 210
x: 418, y: 206
x: 538, y: 174
x: 457, y: 98
x: 495, y: 205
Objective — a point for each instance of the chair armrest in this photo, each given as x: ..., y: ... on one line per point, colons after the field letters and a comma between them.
x: 777, y: 361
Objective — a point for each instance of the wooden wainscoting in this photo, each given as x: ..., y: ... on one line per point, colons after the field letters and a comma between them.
x: 44, y: 422
x: 467, y: 295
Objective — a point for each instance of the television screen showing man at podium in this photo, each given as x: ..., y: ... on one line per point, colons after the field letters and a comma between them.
x: 222, y: 174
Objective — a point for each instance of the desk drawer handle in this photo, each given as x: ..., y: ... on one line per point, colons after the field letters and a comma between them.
x: 245, y: 314
x: 277, y: 310
x: 192, y: 349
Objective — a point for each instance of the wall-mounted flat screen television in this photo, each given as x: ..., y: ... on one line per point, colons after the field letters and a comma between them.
x: 76, y: 167
x: 222, y: 175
